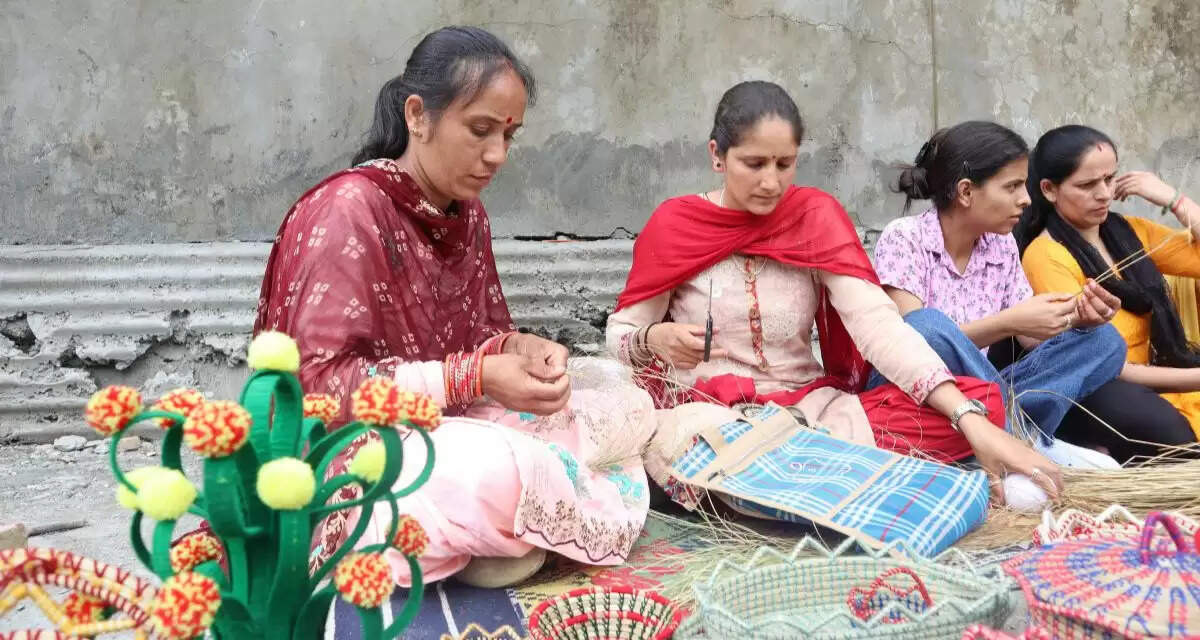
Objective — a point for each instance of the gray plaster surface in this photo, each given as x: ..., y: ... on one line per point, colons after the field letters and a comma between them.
x: 197, y: 121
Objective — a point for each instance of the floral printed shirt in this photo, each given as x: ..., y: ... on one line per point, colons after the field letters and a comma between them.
x: 911, y: 255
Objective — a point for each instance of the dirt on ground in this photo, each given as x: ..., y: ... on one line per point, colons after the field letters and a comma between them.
x: 47, y: 485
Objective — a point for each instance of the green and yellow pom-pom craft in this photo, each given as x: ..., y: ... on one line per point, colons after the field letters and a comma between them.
x: 263, y: 493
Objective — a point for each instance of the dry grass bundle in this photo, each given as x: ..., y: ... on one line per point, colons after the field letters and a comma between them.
x: 1003, y: 528
x: 1158, y: 484
x: 1155, y: 485
x: 721, y: 539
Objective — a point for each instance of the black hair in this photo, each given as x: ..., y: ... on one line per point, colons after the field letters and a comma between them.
x: 1055, y: 157
x: 1141, y: 287
x: 449, y: 64
x: 974, y: 150
x: 745, y: 104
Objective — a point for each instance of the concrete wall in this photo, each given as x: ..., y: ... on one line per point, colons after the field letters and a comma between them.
x: 171, y: 122
x: 158, y: 121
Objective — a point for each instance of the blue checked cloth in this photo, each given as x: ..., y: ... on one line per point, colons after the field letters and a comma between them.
x: 864, y: 492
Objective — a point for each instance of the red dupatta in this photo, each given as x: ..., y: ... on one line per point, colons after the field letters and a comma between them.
x: 808, y: 229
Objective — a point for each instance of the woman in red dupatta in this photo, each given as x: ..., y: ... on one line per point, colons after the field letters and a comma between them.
x: 766, y: 260
x: 386, y: 269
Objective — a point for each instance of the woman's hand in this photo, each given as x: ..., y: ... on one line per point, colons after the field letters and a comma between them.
x: 540, y: 349
x: 1145, y: 185
x: 1043, y: 316
x: 1095, y: 306
x: 1001, y: 454
x: 681, y: 345
x: 525, y: 383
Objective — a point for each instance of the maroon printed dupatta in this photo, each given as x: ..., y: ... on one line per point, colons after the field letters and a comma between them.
x: 367, y: 274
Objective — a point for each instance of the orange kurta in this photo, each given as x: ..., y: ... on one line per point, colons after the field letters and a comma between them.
x: 1051, y: 269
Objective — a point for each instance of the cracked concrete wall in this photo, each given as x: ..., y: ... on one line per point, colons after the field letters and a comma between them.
x: 185, y: 122
x: 188, y: 121
x: 182, y: 121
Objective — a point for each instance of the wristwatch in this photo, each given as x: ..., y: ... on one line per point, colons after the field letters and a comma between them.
x: 970, y: 406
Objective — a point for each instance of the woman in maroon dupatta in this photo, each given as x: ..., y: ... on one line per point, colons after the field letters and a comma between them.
x: 386, y: 269
x: 766, y: 260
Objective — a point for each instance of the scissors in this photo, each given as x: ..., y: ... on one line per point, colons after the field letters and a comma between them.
x: 708, y: 326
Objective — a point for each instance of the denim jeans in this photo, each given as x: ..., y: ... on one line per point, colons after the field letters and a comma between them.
x: 1045, y: 382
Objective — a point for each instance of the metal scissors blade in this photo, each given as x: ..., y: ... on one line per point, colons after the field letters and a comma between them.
x: 708, y: 325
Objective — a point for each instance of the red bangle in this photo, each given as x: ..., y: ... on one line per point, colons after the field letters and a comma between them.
x: 503, y: 340
x: 1178, y: 202
x: 479, y: 374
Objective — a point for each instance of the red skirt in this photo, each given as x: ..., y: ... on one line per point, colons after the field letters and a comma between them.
x: 897, y: 421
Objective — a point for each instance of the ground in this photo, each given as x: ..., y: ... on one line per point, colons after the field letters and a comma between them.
x: 40, y: 485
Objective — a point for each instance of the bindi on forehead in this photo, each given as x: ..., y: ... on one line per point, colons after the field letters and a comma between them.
x: 508, y: 120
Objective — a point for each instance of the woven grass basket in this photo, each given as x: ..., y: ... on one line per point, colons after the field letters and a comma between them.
x: 809, y: 594
x: 617, y: 613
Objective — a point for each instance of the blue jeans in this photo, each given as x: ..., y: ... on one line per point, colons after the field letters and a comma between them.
x: 1058, y: 372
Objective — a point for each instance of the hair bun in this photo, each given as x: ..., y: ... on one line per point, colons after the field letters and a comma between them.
x: 914, y: 183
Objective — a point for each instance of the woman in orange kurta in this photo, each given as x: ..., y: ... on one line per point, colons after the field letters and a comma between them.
x: 1068, y: 236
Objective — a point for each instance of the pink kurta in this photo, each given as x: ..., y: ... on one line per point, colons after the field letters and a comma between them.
x: 506, y: 482
x: 370, y: 278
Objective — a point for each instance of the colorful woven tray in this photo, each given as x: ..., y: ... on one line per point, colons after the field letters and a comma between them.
x: 1114, y: 522
x: 814, y: 592
x: 1106, y: 587
x: 616, y: 613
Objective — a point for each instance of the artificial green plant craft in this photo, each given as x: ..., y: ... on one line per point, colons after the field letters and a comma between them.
x: 263, y: 494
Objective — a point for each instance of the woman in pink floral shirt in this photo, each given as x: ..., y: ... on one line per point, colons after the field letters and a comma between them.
x: 958, y: 263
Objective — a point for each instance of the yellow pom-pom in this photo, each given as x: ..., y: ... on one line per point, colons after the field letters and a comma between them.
x: 82, y: 609
x: 425, y: 413
x: 217, y: 429
x: 182, y: 401
x: 185, y: 606
x: 380, y: 402
x: 137, y: 478
x: 274, y: 351
x: 411, y: 538
x: 193, y: 550
x: 364, y: 579
x: 369, y: 462
x: 321, y: 406
x: 286, y: 484
x: 165, y: 495
x: 110, y: 409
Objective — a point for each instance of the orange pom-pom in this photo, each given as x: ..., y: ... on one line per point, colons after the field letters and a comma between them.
x: 194, y: 550
x: 321, y: 406
x: 364, y: 579
x: 425, y: 413
x: 380, y: 402
x: 182, y: 401
x: 110, y: 409
x: 82, y: 609
x: 411, y: 538
x: 217, y: 429
x: 185, y: 605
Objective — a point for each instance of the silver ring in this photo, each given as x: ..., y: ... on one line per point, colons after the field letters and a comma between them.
x: 1036, y: 471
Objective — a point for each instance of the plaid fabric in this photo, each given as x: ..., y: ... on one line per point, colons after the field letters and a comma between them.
x: 865, y: 492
